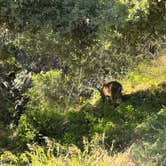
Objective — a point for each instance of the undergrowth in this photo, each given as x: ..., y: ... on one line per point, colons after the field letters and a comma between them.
x: 133, y: 131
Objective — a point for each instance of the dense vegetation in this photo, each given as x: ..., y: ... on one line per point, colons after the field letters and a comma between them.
x: 55, y: 55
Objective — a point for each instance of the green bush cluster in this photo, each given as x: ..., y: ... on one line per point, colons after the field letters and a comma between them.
x: 6, y: 106
x: 150, y: 148
x: 46, y: 117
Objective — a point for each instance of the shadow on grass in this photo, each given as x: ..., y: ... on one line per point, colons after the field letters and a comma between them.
x: 118, y: 123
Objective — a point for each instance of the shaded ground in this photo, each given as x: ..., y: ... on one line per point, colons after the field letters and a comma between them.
x: 118, y: 123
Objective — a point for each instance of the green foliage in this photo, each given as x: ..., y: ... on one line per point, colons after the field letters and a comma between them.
x: 79, y: 125
x: 46, y: 87
x: 150, y: 148
x: 54, y: 90
x: 70, y: 127
x: 94, y: 153
x: 4, y: 135
x: 80, y: 24
x: 73, y: 47
x: 8, y: 158
x: 26, y: 132
x: 6, y: 110
x: 67, y: 17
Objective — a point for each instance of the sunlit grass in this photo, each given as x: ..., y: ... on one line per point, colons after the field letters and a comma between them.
x: 39, y: 156
x: 146, y: 75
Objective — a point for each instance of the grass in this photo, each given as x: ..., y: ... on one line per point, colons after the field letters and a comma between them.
x: 149, y: 149
x: 134, y: 131
x: 91, y: 156
x: 146, y: 75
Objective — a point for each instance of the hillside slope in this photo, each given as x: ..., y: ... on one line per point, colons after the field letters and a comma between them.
x: 134, y: 131
x: 148, y: 83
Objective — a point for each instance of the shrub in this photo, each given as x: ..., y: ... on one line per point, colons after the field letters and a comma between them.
x: 25, y: 132
x: 150, y: 147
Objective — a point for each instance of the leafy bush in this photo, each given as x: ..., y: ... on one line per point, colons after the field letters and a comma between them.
x: 53, y: 89
x: 150, y: 148
x: 4, y: 135
x: 6, y: 106
x: 45, y: 112
x: 25, y: 133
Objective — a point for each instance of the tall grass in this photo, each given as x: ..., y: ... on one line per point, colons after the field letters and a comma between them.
x: 94, y: 154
